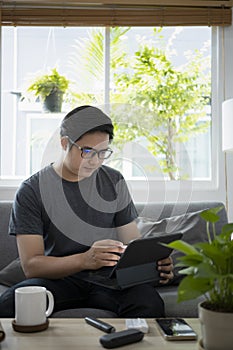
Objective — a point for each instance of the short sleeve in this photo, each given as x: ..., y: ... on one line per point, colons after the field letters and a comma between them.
x: 26, y: 217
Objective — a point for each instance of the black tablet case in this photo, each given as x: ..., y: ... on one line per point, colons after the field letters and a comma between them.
x: 137, y: 264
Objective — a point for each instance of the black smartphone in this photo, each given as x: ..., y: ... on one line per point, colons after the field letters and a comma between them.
x: 176, y: 329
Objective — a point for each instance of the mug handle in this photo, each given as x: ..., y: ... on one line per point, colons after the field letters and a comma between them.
x: 51, y: 303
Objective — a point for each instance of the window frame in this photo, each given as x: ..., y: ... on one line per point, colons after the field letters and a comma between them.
x: 172, y: 187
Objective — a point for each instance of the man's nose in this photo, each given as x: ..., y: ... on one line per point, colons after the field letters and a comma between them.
x: 94, y: 158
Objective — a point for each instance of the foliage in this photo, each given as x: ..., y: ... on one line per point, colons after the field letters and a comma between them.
x: 174, y: 97
x: 87, y: 63
x: 47, y: 84
x: 170, y: 101
x: 208, y: 266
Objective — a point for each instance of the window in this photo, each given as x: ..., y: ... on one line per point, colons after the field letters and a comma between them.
x: 142, y: 76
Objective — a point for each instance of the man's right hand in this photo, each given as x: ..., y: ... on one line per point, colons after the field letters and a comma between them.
x: 102, y: 253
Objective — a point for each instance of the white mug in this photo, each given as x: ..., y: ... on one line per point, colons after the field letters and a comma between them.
x: 30, y: 305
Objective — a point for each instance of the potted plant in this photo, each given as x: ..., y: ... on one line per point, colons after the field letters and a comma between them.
x: 208, y: 270
x: 50, y: 88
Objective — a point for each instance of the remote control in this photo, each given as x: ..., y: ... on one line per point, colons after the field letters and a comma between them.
x: 137, y: 323
x: 121, y: 338
x: 103, y: 326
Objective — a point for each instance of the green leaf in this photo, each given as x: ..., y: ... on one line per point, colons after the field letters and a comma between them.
x: 183, y: 247
x: 205, y: 270
x: 227, y: 229
x: 188, y: 271
x: 190, y: 260
x: 231, y: 283
x: 211, y: 214
x: 218, y: 253
x: 191, y: 288
x: 212, y: 250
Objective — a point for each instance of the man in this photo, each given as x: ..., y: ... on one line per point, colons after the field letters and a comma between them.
x: 77, y: 214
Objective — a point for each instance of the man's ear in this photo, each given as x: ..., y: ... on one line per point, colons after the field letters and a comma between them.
x: 64, y: 142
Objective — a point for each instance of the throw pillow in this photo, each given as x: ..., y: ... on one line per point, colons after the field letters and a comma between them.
x: 12, y: 273
x: 191, y: 225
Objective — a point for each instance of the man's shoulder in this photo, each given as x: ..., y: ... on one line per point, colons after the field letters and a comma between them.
x: 32, y: 182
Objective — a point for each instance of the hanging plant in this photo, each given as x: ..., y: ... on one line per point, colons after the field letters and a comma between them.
x: 50, y: 88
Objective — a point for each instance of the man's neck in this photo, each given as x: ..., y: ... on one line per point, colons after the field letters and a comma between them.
x: 61, y: 170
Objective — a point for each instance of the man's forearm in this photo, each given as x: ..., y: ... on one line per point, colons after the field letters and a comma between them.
x: 53, y: 267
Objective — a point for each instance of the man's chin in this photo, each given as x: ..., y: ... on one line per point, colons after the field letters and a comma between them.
x: 87, y: 172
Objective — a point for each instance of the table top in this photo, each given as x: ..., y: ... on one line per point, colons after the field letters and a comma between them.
x: 74, y: 333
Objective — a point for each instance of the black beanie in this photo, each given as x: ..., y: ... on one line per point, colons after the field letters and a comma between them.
x: 82, y: 120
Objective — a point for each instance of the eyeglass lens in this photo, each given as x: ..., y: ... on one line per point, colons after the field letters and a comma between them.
x: 102, y: 154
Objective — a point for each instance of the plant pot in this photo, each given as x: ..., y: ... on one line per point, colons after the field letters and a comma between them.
x: 216, y: 328
x: 53, y: 102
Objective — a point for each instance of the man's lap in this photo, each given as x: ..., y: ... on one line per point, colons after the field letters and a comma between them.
x: 71, y: 292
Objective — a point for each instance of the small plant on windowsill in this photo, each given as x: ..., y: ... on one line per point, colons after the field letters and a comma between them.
x: 50, y: 88
x: 208, y: 270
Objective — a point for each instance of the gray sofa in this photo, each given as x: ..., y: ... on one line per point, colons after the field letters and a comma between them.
x: 162, y: 216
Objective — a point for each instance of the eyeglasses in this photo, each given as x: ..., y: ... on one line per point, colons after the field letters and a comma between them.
x: 89, y: 152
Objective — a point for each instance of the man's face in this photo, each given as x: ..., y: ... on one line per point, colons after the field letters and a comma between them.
x: 75, y: 167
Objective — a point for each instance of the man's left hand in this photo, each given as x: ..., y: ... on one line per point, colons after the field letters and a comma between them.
x: 166, y: 268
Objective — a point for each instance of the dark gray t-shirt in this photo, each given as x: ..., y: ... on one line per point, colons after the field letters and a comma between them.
x: 72, y: 215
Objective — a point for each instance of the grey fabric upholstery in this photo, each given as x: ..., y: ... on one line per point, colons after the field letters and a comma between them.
x: 8, y: 250
x: 174, y: 309
x: 157, y: 211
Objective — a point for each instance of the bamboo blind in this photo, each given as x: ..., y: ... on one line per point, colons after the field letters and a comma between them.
x: 193, y: 3
x: 113, y: 13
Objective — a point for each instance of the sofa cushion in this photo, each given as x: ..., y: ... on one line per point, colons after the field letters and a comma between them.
x: 3, y: 289
x: 12, y: 273
x: 182, y: 309
x: 8, y: 247
x: 191, y: 225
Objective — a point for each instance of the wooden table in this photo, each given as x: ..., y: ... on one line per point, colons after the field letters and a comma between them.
x: 75, y: 334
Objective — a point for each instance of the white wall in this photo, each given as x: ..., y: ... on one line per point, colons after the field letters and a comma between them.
x: 228, y: 93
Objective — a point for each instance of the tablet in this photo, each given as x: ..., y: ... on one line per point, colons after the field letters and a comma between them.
x: 136, y: 265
